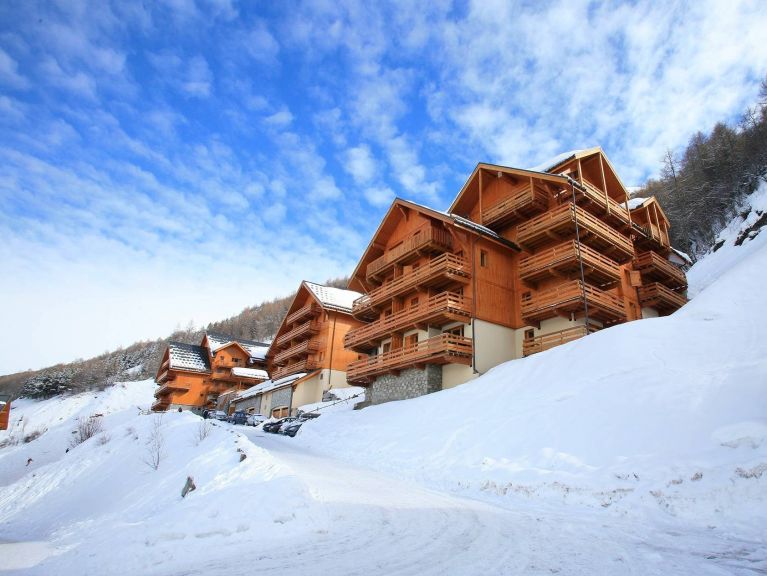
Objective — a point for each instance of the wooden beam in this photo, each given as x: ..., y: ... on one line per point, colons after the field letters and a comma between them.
x: 481, y: 221
x: 604, y: 183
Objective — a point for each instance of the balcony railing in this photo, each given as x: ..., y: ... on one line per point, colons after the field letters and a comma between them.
x: 560, y: 222
x: 602, y: 205
x: 169, y: 388
x: 657, y: 296
x: 161, y: 404
x: 442, y: 349
x: 308, y: 311
x: 547, y: 341
x: 569, y: 297
x: 527, y: 202
x: 442, y: 308
x: 650, y: 236
x: 303, y: 330
x: 443, y: 269
x: 305, y: 365
x: 429, y: 239
x: 165, y: 375
x: 655, y: 267
x: 563, y: 259
x: 299, y: 349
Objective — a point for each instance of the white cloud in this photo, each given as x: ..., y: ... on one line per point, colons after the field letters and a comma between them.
x: 360, y: 164
x: 379, y: 196
x: 9, y: 72
x: 198, y: 77
x: 280, y: 119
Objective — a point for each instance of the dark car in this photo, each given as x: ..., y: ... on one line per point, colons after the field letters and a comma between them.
x: 291, y: 428
x: 238, y: 418
x: 274, y: 427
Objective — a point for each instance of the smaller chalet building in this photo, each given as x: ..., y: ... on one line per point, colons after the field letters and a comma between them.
x: 193, y: 377
x: 5, y: 410
x: 307, y: 356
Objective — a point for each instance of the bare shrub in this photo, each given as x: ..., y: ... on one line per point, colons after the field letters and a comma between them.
x: 103, y: 439
x: 34, y: 435
x: 155, y: 445
x: 87, y: 428
x: 203, y: 430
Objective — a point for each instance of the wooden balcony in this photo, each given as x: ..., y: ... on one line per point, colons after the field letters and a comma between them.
x: 567, y: 298
x: 442, y: 270
x: 169, y: 388
x: 426, y: 240
x: 563, y: 259
x: 650, y: 237
x: 440, y: 309
x: 161, y: 404
x: 309, y: 311
x: 531, y: 200
x: 442, y: 349
x: 165, y: 376
x: 301, y: 331
x: 305, y: 365
x: 300, y: 349
x: 665, y: 301
x: 598, y: 203
x: 547, y: 341
x: 559, y: 224
x: 658, y: 269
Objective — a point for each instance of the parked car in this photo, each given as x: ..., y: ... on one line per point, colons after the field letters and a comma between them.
x: 255, y: 419
x: 274, y: 427
x: 238, y: 417
x: 291, y: 428
x: 220, y: 415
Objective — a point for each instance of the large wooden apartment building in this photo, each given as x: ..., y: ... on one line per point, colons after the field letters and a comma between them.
x: 523, y: 260
x: 193, y: 377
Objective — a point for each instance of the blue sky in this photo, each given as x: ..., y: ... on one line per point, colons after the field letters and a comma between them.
x: 176, y: 161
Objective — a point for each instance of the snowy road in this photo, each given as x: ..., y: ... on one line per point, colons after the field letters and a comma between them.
x: 374, y: 524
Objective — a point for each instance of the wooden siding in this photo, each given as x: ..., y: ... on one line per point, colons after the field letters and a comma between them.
x: 442, y: 349
x: 440, y: 309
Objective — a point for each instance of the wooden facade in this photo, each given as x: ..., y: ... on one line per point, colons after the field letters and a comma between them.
x: 544, y: 257
x: 194, y: 377
x: 5, y: 411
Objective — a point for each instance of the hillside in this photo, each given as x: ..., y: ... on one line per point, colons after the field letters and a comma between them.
x: 141, y: 359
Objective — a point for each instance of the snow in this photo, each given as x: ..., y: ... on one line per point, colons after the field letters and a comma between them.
x: 343, y: 399
x: 635, y: 203
x: 270, y: 385
x: 250, y: 372
x: 333, y: 298
x: 552, y: 162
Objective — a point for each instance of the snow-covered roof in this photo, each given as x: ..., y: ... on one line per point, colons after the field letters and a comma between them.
x: 682, y: 255
x: 257, y: 350
x: 333, y: 298
x: 188, y: 357
x: 635, y: 203
x: 250, y: 373
x: 270, y: 385
x: 556, y: 160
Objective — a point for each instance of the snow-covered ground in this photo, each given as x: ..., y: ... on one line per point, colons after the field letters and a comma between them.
x: 641, y: 449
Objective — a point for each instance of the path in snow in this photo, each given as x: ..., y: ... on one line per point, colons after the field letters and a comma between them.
x: 375, y: 524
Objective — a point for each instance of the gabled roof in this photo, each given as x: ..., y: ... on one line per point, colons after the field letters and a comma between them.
x: 189, y: 357
x: 333, y: 298
x: 634, y: 204
x: 270, y: 385
x: 558, y: 161
x: 217, y: 340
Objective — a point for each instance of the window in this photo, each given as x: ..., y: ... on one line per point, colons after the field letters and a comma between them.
x: 411, y: 341
x: 483, y: 258
x: 414, y: 302
x: 529, y: 334
x: 236, y: 360
x: 455, y: 331
x: 386, y: 347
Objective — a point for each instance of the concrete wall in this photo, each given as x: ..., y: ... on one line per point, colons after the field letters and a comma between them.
x: 281, y: 397
x: 407, y: 384
x: 649, y: 312
x: 456, y: 374
x: 250, y: 405
x: 493, y: 345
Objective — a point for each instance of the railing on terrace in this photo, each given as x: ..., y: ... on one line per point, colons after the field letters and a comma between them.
x: 304, y: 347
x: 307, y: 311
x: 446, y: 306
x: 547, y: 341
x: 444, y: 266
x: 564, y: 258
x: 607, y: 204
x: 524, y: 203
x: 568, y: 297
x: 442, y: 349
x: 655, y: 266
x: 168, y: 388
x: 651, y: 233
x: 305, y: 365
x: 560, y: 221
x: 309, y: 327
x: 427, y: 238
x: 656, y: 295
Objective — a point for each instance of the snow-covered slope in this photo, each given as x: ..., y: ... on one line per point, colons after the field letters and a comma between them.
x: 663, y: 415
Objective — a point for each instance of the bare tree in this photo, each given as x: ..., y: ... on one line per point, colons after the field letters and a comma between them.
x: 155, y: 445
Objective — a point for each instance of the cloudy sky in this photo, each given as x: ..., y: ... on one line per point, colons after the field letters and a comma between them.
x: 176, y: 161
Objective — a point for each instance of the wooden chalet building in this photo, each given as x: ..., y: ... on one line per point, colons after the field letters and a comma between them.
x: 5, y: 411
x: 193, y: 377
x: 524, y: 260
x: 310, y: 344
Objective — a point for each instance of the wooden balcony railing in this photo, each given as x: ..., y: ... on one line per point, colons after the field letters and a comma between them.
x: 442, y: 308
x: 161, y: 404
x: 547, y: 341
x: 303, y: 330
x: 165, y: 376
x: 655, y: 267
x: 650, y: 236
x: 165, y: 365
x: 568, y: 297
x: 168, y: 388
x: 428, y: 239
x: 442, y: 349
x: 665, y: 301
x: 560, y: 222
x: 305, y: 365
x: 602, y: 205
x: 442, y: 269
x: 308, y: 311
x: 563, y: 259
x: 305, y: 347
x: 531, y: 200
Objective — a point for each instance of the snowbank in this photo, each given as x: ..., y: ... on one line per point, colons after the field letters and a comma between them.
x: 103, y: 509
x: 666, y: 414
x: 343, y: 399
